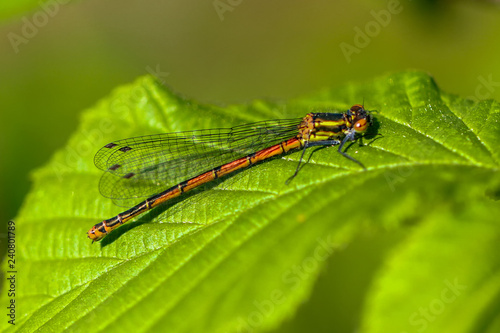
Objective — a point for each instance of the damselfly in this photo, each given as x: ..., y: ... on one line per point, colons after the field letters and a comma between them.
x: 142, y: 167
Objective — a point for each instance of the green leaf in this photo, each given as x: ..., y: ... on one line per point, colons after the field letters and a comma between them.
x: 451, y: 268
x: 243, y: 253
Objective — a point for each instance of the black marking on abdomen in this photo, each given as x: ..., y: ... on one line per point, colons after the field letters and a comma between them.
x: 129, y: 175
x: 102, y: 229
x: 249, y: 158
x: 125, y: 149
x: 182, y: 185
x: 110, y: 145
x: 216, y: 171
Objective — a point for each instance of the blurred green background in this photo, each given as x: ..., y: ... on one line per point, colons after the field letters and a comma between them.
x: 58, y: 60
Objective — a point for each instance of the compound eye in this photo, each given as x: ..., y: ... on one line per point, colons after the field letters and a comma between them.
x: 361, y: 125
x: 356, y: 108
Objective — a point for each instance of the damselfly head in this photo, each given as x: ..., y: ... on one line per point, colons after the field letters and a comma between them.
x: 362, y: 119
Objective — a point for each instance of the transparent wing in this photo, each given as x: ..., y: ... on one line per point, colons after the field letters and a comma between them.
x: 140, y: 167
